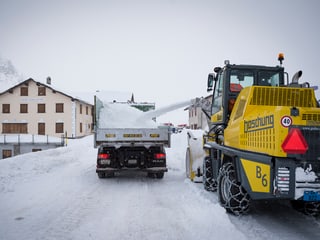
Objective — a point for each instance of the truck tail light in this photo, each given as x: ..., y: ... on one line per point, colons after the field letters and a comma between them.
x: 295, y: 143
x: 159, y: 156
x: 103, y: 156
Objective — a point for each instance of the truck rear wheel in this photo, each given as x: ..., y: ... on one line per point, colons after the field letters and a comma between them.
x: 232, y: 195
x: 158, y: 175
x: 101, y: 175
x: 105, y: 175
x: 209, y: 183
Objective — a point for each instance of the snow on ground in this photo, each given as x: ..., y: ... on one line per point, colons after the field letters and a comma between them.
x: 56, y: 194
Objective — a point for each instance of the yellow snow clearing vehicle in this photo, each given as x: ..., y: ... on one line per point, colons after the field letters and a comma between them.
x: 264, y: 138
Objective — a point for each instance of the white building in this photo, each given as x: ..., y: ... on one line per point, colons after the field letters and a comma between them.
x: 34, y: 108
x: 197, y: 118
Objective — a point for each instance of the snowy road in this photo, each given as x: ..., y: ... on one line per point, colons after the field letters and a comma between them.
x: 56, y: 194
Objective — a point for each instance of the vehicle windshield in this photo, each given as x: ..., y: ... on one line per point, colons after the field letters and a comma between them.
x: 240, y: 79
x: 268, y: 78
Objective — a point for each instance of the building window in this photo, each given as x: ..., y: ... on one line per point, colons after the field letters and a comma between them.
x: 81, y: 127
x: 59, y: 127
x: 14, y: 128
x: 59, y: 107
x: 36, y: 149
x: 6, y: 153
x: 41, y: 91
x: 41, y: 108
x: 87, y: 110
x: 41, y: 128
x: 80, y: 108
x: 24, y: 91
x: 5, y: 108
x: 23, y: 108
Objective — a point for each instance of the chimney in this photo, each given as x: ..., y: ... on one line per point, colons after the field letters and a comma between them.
x: 49, y: 80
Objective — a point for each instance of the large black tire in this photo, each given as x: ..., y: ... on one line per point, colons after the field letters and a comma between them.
x: 209, y: 183
x: 232, y: 196
x: 160, y: 175
x: 308, y: 208
x: 105, y: 175
x: 110, y: 175
x: 101, y: 175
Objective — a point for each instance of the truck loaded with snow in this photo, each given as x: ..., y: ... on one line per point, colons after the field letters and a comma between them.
x: 128, y: 141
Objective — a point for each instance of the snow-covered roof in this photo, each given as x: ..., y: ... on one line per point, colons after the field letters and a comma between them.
x: 45, y: 85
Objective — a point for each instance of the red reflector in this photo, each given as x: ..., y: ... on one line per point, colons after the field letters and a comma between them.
x: 159, y: 155
x: 295, y: 143
x: 104, y: 156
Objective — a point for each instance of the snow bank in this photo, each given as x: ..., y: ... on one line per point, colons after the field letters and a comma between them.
x: 55, y: 194
x: 177, y: 153
x: 305, y: 175
x: 196, y: 148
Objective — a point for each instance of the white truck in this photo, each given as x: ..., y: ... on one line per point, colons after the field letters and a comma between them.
x: 128, y: 148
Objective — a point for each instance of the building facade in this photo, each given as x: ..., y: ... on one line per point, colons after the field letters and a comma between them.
x: 197, y: 118
x: 35, y: 108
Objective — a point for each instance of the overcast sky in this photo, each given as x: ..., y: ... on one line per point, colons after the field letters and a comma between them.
x: 161, y: 50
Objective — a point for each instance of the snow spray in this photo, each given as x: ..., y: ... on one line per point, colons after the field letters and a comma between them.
x: 124, y: 116
x: 163, y: 110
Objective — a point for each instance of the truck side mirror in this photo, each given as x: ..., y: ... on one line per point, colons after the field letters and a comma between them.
x: 210, y: 82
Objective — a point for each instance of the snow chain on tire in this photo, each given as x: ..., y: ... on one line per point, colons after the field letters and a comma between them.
x: 209, y: 182
x: 312, y: 208
x: 308, y: 208
x: 232, y: 195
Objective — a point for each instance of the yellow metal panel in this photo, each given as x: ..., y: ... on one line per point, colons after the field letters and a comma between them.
x: 154, y: 135
x: 132, y: 135
x: 258, y: 175
x: 217, y: 117
x: 261, y: 117
x: 110, y: 135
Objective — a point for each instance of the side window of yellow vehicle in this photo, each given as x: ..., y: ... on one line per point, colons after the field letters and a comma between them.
x: 217, y: 95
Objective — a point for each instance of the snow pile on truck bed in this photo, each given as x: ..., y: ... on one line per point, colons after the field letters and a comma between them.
x: 122, y: 115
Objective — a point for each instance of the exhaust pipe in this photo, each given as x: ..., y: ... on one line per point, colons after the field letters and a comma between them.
x: 296, y: 77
